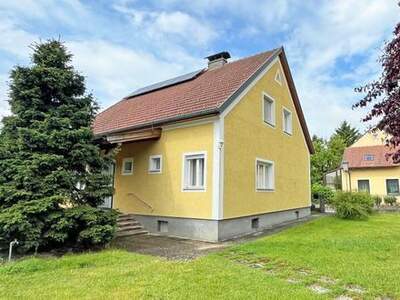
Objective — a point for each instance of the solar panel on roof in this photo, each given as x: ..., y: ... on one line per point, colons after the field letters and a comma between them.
x: 165, y: 83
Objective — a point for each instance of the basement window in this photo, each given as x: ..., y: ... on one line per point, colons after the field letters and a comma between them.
x: 155, y: 164
x: 264, y: 175
x: 162, y: 226
x: 255, y: 223
x: 194, y: 171
x: 127, y: 166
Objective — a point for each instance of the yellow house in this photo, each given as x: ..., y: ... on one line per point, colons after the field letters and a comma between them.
x: 368, y: 168
x: 213, y: 154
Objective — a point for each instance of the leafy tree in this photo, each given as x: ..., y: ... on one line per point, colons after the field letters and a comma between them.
x: 384, y: 94
x: 327, y: 156
x: 347, y: 133
x: 51, y: 171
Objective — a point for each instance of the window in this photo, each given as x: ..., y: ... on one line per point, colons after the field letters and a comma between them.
x: 194, y: 171
x: 363, y: 185
x: 127, y: 166
x: 369, y: 157
x: 278, y: 77
x: 287, y: 121
x: 392, y: 186
x: 268, y: 110
x: 155, y: 164
x: 264, y: 175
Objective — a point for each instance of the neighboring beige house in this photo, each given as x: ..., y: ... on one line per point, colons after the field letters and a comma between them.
x: 366, y: 167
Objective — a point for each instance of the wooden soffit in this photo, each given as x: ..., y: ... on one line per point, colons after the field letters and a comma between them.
x: 132, y: 136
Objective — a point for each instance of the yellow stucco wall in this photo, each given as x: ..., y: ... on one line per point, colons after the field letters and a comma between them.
x: 164, y: 191
x: 376, y: 176
x: 371, y: 139
x: 246, y: 137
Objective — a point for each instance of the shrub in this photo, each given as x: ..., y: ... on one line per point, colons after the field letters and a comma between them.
x: 377, y: 200
x: 353, y: 205
x: 44, y: 224
x: 320, y: 191
x: 390, y: 200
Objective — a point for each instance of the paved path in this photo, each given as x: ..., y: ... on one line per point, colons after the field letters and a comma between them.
x: 184, y: 249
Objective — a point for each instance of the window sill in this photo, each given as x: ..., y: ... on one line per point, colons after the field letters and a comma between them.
x: 126, y: 174
x: 272, y: 125
x: 154, y: 172
x: 288, y: 133
x: 265, y: 190
x: 190, y: 189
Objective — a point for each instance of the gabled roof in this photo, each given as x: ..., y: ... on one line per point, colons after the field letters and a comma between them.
x: 368, y: 157
x: 203, y: 93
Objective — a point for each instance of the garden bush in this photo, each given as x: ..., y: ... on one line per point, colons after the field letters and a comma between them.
x: 390, y: 200
x: 353, y: 205
x: 44, y: 224
x: 377, y: 200
x: 320, y: 191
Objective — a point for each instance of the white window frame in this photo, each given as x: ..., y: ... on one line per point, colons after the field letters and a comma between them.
x: 125, y: 160
x: 271, y: 188
x: 155, y: 171
x: 284, y: 109
x: 278, y: 73
x: 185, y: 186
x: 273, y: 121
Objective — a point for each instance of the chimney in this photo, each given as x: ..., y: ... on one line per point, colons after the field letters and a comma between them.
x: 218, y: 60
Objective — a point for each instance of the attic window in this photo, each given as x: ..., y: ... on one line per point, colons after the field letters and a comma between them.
x: 278, y: 77
x: 368, y: 157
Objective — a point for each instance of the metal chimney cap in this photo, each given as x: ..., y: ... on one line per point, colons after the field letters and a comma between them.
x: 224, y: 55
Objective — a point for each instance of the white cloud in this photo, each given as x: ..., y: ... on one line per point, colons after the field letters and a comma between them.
x: 114, y: 71
x: 15, y: 40
x: 338, y: 32
x: 175, y: 24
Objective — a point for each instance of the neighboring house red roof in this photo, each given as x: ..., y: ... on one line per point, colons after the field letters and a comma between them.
x: 207, y: 93
x: 368, y: 157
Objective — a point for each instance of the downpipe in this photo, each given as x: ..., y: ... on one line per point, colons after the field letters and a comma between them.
x: 14, y: 242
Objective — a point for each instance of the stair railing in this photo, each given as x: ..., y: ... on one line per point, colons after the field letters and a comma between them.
x: 141, y: 200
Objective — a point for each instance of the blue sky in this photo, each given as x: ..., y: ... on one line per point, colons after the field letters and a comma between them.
x: 332, y: 46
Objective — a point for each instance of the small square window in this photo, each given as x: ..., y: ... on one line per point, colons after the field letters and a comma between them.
x: 264, y: 175
x: 369, y: 157
x: 194, y: 172
x: 363, y: 185
x: 287, y: 121
x: 127, y: 166
x: 268, y: 110
x: 155, y: 164
x: 392, y: 186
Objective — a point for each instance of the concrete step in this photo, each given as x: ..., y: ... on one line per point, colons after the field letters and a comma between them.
x: 131, y: 232
x: 125, y: 217
x: 128, y: 228
x: 127, y: 223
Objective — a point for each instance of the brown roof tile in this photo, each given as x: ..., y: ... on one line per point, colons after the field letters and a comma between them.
x: 205, y: 94
x: 356, y: 157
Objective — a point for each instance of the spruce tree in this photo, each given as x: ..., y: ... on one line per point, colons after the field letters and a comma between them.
x: 51, y: 171
x: 348, y: 134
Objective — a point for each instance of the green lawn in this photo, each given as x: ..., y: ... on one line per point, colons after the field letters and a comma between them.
x: 356, y: 258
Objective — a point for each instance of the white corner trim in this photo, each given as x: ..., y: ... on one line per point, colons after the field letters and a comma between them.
x: 218, y: 185
x: 249, y: 87
x: 204, y: 188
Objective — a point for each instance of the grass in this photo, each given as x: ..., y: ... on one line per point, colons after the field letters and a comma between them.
x: 341, y: 255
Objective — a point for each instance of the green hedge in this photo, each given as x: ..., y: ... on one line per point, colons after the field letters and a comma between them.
x: 353, y: 205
